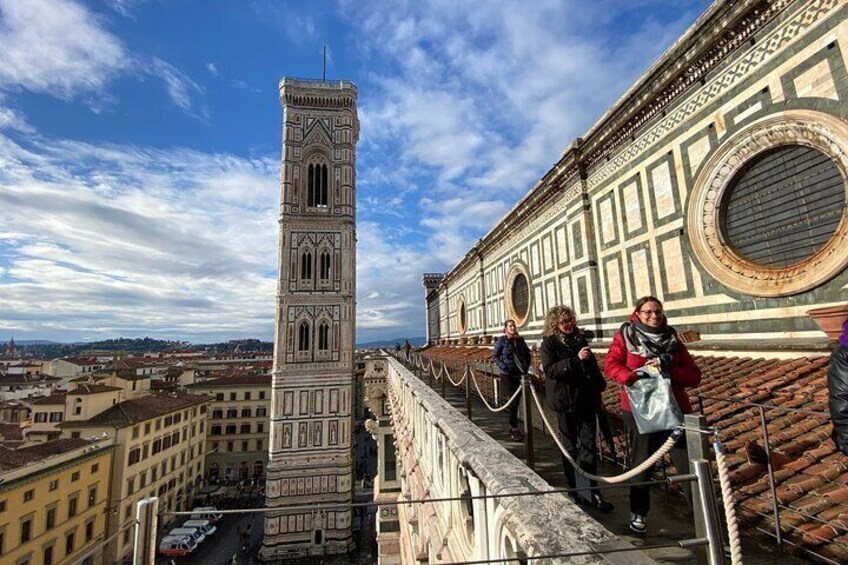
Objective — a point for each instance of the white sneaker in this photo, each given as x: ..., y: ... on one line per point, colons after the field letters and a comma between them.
x: 637, y: 523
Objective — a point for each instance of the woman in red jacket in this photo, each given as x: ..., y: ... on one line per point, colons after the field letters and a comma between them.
x: 647, y: 339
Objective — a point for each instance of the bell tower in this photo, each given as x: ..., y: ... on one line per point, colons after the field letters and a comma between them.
x: 310, y: 452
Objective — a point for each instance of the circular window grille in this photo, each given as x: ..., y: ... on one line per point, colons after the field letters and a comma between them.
x: 767, y: 214
x: 520, y: 296
x: 461, y: 318
x: 783, y: 206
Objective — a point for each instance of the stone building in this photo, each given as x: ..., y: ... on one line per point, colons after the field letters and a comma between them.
x: 717, y: 182
x: 238, y: 429
x: 160, y: 445
x: 310, y: 458
x: 53, y: 502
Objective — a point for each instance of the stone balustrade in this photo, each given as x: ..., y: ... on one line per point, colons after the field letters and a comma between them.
x: 440, y: 455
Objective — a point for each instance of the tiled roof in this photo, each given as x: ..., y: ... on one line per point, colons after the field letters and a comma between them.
x: 14, y: 458
x: 81, y: 360
x: 93, y: 389
x: 55, y: 398
x: 812, y: 476
x: 235, y: 380
x: 137, y: 410
x: 11, y: 432
x: 36, y: 379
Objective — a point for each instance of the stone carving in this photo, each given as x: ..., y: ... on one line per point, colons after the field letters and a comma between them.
x: 795, y: 127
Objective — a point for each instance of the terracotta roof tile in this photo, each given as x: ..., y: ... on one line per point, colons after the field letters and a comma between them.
x: 136, y: 410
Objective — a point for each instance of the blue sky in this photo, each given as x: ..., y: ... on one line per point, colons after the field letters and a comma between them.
x: 140, y: 143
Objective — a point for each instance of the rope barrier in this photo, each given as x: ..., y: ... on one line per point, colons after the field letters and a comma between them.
x: 462, y: 380
x: 645, y: 465
x: 729, y: 508
x: 483, y: 398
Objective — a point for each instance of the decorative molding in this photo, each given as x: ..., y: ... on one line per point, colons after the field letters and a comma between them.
x: 797, y: 25
x: 817, y: 130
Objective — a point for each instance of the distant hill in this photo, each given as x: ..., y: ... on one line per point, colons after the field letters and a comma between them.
x: 414, y: 341
x: 29, y: 342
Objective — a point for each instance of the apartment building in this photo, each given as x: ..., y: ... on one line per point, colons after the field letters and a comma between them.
x: 238, y: 425
x: 159, y: 451
x: 53, y: 501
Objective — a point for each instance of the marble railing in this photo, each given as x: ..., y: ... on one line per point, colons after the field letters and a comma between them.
x: 442, y: 455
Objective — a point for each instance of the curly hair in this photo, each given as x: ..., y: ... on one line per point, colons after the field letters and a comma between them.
x: 554, y: 316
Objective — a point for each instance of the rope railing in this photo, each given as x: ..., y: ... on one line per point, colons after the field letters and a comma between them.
x: 483, y: 398
x: 462, y: 380
x: 642, y: 467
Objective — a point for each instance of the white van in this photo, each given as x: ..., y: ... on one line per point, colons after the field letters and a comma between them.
x: 193, y: 533
x: 176, y: 546
x: 206, y: 513
x: 203, y: 525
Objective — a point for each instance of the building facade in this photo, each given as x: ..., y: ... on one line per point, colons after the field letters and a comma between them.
x: 238, y: 428
x: 716, y: 183
x: 160, y: 446
x: 53, y: 502
x: 310, y: 460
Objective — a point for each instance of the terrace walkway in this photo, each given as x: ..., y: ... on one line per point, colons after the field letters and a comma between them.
x: 669, y: 520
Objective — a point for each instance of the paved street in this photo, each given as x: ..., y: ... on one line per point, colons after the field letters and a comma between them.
x: 220, y: 548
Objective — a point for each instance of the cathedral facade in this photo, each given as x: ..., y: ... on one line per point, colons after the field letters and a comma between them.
x: 310, y: 457
x: 717, y: 183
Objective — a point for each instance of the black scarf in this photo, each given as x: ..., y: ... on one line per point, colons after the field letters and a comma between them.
x: 650, y: 342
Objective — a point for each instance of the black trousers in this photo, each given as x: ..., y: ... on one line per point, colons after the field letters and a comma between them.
x: 577, y: 432
x: 643, y: 446
x: 511, y: 383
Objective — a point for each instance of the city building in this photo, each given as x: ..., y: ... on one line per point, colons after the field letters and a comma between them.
x: 238, y: 429
x: 311, y: 459
x: 160, y: 447
x: 54, y: 501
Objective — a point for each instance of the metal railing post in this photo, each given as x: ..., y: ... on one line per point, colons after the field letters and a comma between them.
x: 774, y: 507
x: 444, y: 377
x: 712, y: 529
x: 696, y: 447
x: 528, y: 422
x: 147, y: 518
x: 468, y: 378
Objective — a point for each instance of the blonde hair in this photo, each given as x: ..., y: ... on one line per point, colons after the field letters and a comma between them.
x: 554, y: 316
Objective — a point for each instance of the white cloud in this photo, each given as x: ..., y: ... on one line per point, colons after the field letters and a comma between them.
x: 56, y: 47
x: 60, y: 48
x: 212, y: 68
x: 122, y: 240
x: 180, y: 87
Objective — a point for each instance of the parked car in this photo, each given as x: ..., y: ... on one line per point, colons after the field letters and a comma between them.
x: 204, y: 526
x: 206, y: 513
x: 194, y: 533
x: 176, y: 546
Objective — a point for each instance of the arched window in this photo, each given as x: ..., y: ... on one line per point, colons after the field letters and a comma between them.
x: 323, y: 336
x: 324, y: 266
x: 303, y: 336
x: 306, y: 266
x: 316, y: 185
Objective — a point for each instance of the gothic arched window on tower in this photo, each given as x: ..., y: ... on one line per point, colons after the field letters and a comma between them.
x: 324, y: 264
x: 323, y: 336
x: 316, y: 185
x: 306, y: 266
x: 303, y: 336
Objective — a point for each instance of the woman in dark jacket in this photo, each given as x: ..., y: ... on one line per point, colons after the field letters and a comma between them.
x: 573, y: 386
x: 837, y: 385
x: 647, y: 339
x: 512, y: 356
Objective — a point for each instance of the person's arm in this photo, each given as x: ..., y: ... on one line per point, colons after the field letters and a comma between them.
x: 497, y: 353
x: 837, y: 384
x: 615, y: 364
x: 555, y: 368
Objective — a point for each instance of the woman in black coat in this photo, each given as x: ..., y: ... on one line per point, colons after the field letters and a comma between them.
x: 512, y: 357
x: 837, y: 384
x: 573, y: 386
